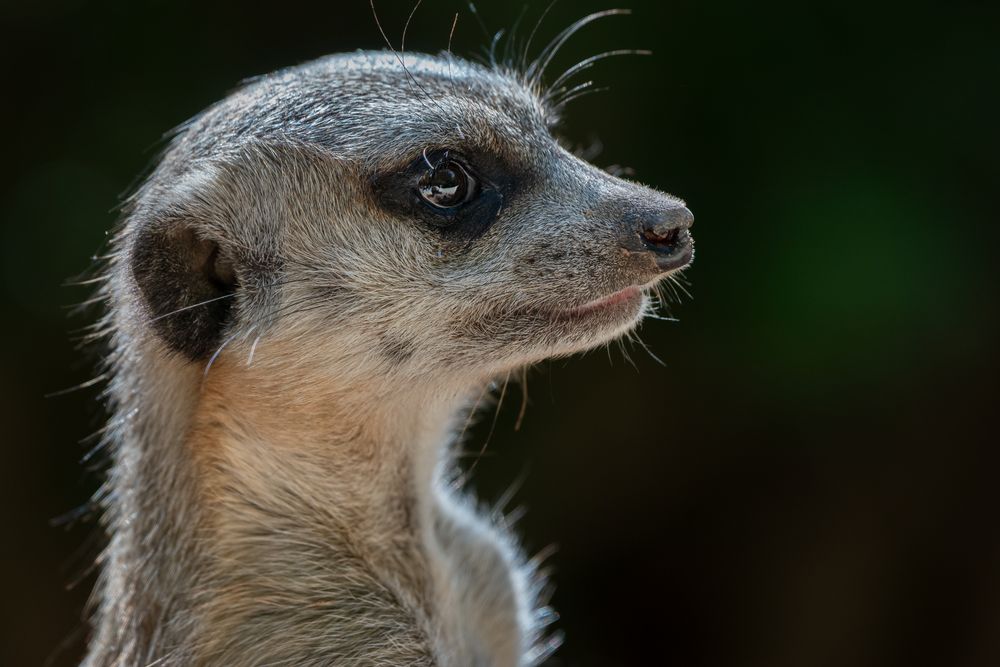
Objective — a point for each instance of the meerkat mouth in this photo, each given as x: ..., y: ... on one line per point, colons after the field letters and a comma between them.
x: 674, y: 250
x: 628, y: 300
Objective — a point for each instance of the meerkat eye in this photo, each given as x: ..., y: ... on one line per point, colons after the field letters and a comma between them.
x: 447, y: 185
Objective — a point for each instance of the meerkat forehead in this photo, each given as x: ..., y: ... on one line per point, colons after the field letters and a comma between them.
x: 380, y: 107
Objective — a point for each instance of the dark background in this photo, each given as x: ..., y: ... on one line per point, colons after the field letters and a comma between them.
x: 810, y: 480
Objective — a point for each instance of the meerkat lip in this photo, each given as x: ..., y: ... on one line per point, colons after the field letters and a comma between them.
x: 678, y: 255
x: 630, y: 296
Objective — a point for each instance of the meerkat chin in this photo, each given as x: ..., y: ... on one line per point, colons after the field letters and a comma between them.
x: 308, y: 294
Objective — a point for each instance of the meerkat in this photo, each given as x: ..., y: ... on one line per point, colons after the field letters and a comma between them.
x: 306, y: 297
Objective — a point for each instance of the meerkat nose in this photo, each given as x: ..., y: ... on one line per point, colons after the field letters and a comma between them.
x: 665, y: 234
x: 669, y: 222
x: 665, y: 227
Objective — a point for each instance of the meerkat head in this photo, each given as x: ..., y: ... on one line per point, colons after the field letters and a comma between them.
x: 410, y: 219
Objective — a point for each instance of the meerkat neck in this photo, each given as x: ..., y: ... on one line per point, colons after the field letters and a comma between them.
x: 305, y: 441
x: 263, y: 496
x: 151, y: 563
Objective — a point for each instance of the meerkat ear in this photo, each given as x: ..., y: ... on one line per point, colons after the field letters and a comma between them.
x: 187, y: 282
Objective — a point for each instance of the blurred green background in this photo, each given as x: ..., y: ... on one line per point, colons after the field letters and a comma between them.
x: 812, y: 478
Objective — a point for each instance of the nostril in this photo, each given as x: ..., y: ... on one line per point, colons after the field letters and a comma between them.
x: 661, y: 237
x: 666, y: 230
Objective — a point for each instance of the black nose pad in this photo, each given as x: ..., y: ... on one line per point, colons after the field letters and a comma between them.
x: 664, y: 231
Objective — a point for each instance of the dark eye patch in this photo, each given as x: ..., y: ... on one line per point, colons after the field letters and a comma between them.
x: 399, y: 193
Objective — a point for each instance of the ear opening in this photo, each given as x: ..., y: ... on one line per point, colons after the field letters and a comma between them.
x: 219, y: 268
x: 188, y: 284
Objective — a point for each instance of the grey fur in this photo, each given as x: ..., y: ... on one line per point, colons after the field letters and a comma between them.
x: 280, y: 490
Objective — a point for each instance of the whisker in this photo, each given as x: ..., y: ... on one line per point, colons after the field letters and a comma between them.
x: 479, y: 20
x: 589, y: 91
x: 493, y: 425
x: 531, y: 36
x: 215, y: 356
x: 655, y: 358
x: 508, y: 50
x: 524, y: 399
x: 493, y: 48
x: 253, y: 349
x: 194, y: 305
x: 566, y: 92
x: 677, y: 283
x: 537, y: 68
x: 451, y: 35
x: 406, y: 26
x: 628, y: 358
x: 587, y: 63
x: 472, y: 413
x: 409, y: 75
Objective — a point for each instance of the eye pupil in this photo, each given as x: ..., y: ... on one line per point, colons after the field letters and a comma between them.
x: 445, y: 178
x: 447, y: 185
